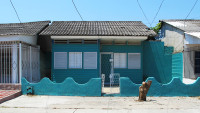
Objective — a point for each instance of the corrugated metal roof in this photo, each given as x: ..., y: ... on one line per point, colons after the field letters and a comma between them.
x: 195, y: 34
x: 185, y: 25
x: 97, y: 28
x: 30, y: 28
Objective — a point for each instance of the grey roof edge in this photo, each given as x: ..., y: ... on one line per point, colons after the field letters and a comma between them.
x: 172, y: 20
x: 171, y: 25
x: 186, y: 21
x: 27, y: 22
x: 24, y: 31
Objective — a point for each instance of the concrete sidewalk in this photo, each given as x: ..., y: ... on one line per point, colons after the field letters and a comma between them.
x: 66, y: 104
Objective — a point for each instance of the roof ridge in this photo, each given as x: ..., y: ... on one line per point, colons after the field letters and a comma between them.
x: 25, y: 22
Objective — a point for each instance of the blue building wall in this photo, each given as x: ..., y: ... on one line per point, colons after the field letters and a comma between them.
x: 157, y: 61
x: 136, y: 75
x: 177, y: 65
x: 79, y: 75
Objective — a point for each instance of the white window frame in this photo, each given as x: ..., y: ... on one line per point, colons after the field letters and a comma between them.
x: 57, y: 67
x: 139, y: 64
x: 95, y: 62
x: 81, y: 61
x: 119, y: 66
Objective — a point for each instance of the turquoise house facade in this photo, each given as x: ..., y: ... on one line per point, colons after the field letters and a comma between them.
x: 95, y: 49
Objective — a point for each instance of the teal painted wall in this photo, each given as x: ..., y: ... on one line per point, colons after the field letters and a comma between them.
x: 136, y: 75
x: 67, y: 88
x: 79, y: 75
x: 177, y: 65
x: 174, y: 88
x: 157, y: 61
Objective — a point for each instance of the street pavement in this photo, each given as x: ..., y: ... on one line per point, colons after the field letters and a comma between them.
x: 68, y: 104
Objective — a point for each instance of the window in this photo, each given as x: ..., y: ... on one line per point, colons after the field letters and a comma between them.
x: 75, y: 59
x: 197, y: 62
x: 90, y: 60
x: 60, y: 60
x: 120, y: 60
x: 134, y: 61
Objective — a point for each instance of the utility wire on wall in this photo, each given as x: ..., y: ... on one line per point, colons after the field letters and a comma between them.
x: 77, y: 10
x: 15, y: 11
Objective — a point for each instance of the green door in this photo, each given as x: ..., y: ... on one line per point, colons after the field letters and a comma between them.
x: 106, y: 67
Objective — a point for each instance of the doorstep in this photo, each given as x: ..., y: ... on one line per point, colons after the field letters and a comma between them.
x: 6, y: 95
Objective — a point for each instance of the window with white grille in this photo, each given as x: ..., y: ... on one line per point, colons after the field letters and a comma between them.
x: 134, y: 61
x: 120, y: 60
x: 75, y: 60
x: 90, y: 60
x: 60, y: 60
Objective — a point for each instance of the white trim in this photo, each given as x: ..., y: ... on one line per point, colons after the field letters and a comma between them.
x: 20, y: 62
x: 101, y: 37
x: 31, y: 74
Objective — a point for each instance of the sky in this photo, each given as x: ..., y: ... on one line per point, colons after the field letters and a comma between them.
x: 97, y: 10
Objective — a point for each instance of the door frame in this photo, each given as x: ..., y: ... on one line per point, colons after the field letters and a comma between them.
x: 112, y: 57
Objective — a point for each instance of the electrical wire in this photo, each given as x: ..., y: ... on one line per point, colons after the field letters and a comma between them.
x: 77, y: 10
x: 24, y: 28
x: 143, y: 12
x: 157, y: 12
x: 188, y: 16
x: 15, y: 11
x: 191, y: 9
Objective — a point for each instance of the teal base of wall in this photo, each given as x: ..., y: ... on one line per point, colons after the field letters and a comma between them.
x: 67, y: 88
x: 80, y: 76
x: 173, y: 88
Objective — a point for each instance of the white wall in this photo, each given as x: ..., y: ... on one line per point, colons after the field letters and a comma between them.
x: 27, y: 39
x: 172, y: 37
x: 191, y: 39
x: 189, y: 60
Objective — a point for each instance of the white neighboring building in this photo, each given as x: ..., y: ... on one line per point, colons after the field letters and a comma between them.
x: 184, y: 36
x: 19, y: 52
